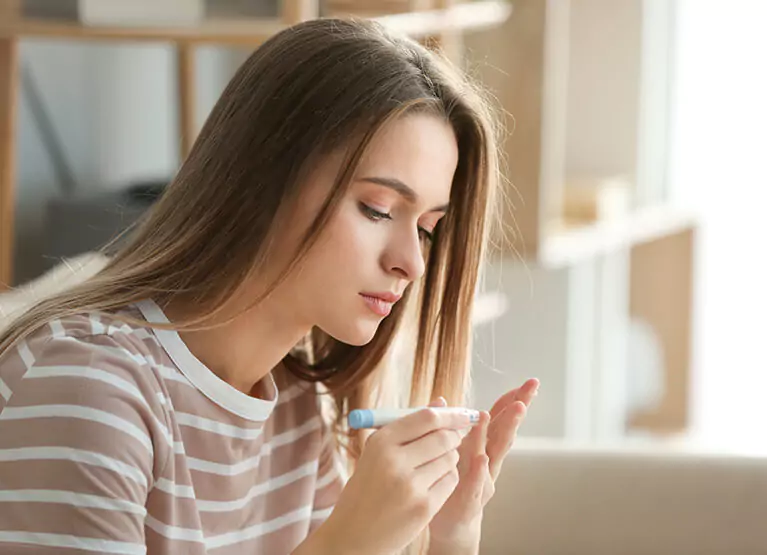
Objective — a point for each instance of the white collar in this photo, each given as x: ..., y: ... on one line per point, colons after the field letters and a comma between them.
x: 203, y: 378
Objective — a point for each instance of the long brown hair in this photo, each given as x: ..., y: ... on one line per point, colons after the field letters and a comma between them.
x: 307, y: 92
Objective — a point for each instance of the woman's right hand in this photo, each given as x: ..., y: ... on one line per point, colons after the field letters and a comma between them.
x: 406, y: 472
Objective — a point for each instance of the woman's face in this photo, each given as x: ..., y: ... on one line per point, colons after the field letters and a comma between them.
x: 377, y: 242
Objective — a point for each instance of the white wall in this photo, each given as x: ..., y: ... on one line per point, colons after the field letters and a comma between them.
x: 61, y: 70
x: 718, y: 168
x: 603, y: 87
x: 529, y: 340
x: 114, y: 110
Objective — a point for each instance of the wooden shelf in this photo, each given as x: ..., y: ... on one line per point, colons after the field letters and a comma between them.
x: 460, y: 17
x: 564, y: 246
x: 224, y: 32
x: 468, y: 16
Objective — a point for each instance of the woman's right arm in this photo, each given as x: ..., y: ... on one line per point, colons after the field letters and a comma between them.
x: 405, y: 474
x: 77, y: 451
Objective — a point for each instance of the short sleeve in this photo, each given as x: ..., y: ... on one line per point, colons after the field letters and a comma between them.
x: 81, y: 438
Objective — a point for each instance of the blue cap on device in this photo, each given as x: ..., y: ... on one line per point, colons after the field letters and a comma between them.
x: 360, y: 418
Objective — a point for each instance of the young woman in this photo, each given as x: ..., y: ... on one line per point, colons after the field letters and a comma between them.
x: 190, y: 397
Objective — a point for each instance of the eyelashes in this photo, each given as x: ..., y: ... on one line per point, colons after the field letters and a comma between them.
x: 377, y: 216
x: 374, y: 214
x: 427, y: 236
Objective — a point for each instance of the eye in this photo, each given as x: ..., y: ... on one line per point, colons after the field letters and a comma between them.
x: 374, y: 214
x: 426, y: 236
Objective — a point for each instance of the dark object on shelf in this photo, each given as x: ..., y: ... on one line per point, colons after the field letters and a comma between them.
x: 237, y: 9
x: 50, y: 9
x: 77, y: 224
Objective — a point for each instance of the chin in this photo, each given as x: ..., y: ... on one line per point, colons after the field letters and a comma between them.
x: 357, y: 335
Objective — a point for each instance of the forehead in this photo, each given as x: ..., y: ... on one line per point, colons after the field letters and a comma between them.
x: 418, y: 149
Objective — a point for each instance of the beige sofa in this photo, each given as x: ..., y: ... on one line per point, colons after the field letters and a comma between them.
x: 69, y: 272
x: 555, y: 499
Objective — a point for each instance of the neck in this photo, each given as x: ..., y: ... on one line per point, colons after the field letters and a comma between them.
x: 242, y: 352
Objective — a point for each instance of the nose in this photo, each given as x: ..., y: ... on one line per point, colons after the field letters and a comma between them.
x: 403, y: 257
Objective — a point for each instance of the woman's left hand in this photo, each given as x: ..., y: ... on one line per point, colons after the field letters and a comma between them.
x: 458, y: 523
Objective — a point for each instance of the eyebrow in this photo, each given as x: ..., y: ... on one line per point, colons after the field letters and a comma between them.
x: 402, y: 188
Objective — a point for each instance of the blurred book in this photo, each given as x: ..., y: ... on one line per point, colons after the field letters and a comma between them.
x: 596, y: 199
x: 117, y: 12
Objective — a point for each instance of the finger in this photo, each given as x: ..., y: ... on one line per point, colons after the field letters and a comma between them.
x: 475, y: 443
x: 442, y: 402
x: 528, y: 391
x: 443, y: 489
x: 525, y: 393
x: 479, y: 476
x: 488, y: 487
x: 430, y: 447
x: 418, y: 424
x: 502, y: 423
x: 503, y: 401
x: 470, y: 490
x: 428, y: 474
x: 468, y: 448
x: 501, y: 436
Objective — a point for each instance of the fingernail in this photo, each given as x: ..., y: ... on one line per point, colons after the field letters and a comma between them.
x: 438, y: 402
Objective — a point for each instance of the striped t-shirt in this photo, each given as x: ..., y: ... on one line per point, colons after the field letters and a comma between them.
x: 115, y: 439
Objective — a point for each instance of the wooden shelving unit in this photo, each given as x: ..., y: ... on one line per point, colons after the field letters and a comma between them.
x: 459, y: 17
x: 442, y: 26
x: 586, y: 85
x: 569, y: 245
x: 572, y: 75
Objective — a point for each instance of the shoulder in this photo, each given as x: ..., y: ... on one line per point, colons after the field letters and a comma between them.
x: 88, y: 345
x: 93, y: 371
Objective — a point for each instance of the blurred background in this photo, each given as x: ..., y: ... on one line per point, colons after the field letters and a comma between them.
x: 628, y: 278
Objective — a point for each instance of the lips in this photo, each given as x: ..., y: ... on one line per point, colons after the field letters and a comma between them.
x: 380, y: 303
x: 385, y: 296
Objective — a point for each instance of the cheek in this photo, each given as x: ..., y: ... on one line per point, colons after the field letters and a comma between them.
x: 348, y: 244
x: 352, y: 237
